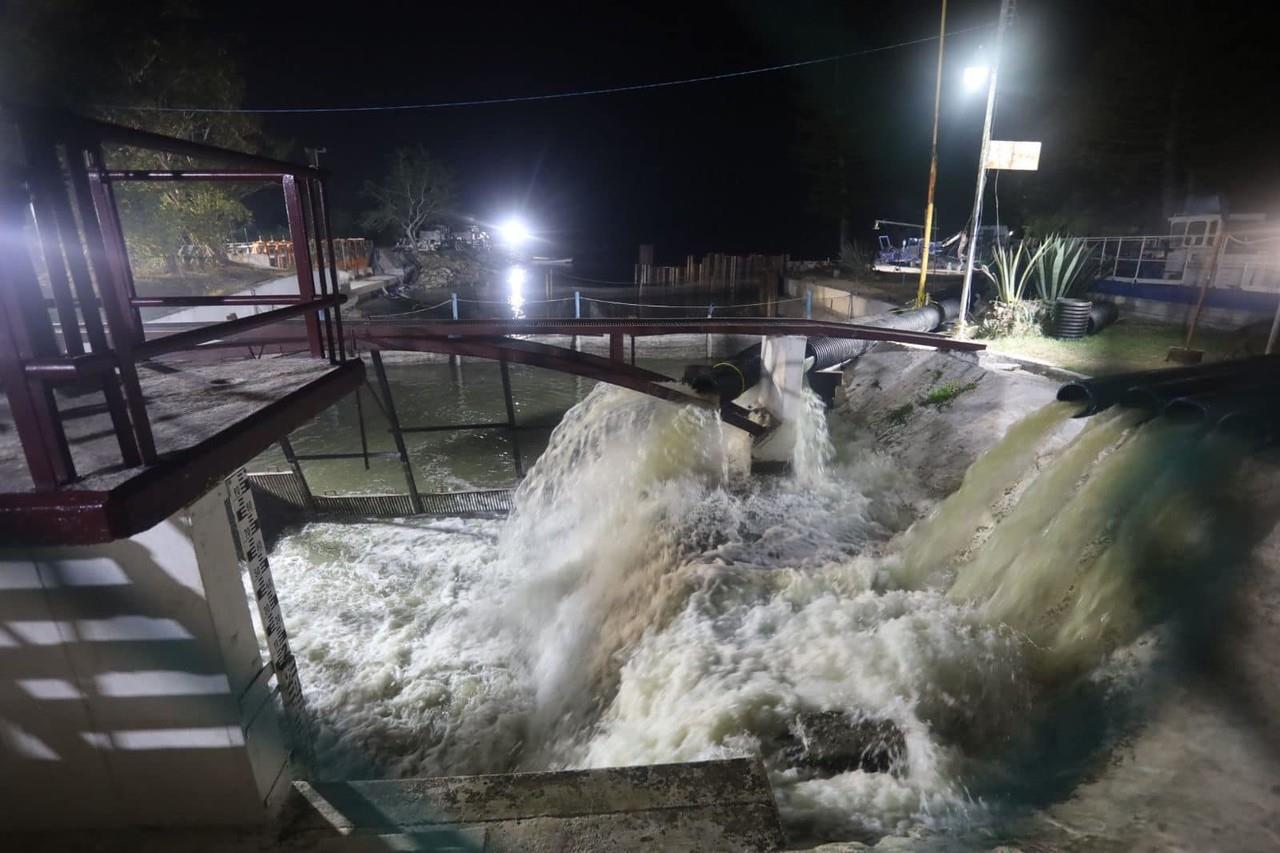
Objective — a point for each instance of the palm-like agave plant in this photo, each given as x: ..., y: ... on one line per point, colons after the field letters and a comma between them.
x: 1060, y: 266
x: 1013, y: 266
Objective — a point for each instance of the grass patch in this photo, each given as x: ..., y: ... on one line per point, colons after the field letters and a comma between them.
x: 944, y: 394
x: 898, y: 416
x: 1127, y: 346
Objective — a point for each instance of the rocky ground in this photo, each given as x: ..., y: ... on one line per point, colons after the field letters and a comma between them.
x: 426, y: 270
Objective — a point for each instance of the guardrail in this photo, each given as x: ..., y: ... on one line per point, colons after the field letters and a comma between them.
x: 60, y: 211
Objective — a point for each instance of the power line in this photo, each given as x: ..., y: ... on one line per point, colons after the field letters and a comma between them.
x: 582, y: 93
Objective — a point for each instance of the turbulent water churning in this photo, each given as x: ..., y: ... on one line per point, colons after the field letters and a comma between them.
x: 649, y: 601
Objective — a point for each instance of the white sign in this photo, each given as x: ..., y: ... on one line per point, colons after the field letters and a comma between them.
x: 1019, y: 156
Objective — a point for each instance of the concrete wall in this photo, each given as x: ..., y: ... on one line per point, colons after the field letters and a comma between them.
x: 834, y: 303
x: 132, y: 691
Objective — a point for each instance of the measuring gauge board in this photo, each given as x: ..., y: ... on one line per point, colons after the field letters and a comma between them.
x: 254, y: 552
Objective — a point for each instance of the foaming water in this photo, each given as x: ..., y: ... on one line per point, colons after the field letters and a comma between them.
x: 648, y: 601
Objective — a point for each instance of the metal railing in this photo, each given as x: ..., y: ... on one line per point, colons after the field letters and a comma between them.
x: 58, y: 207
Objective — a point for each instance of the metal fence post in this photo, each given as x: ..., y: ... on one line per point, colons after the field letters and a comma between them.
x: 808, y: 305
x: 454, y: 300
x: 577, y: 305
x: 389, y: 409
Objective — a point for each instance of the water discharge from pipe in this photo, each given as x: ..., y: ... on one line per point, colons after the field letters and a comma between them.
x: 649, y: 602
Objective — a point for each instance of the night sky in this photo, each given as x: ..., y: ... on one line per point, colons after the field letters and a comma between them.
x: 749, y: 164
x: 719, y: 165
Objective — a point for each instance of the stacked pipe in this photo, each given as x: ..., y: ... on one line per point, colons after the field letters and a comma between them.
x: 732, y: 377
x: 1241, y: 396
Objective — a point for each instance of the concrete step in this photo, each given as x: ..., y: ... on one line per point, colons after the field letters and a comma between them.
x: 715, y: 805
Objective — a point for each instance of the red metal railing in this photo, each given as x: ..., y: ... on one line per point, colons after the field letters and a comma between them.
x: 57, y: 204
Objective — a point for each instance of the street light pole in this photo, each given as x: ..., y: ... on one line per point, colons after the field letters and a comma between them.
x: 933, y: 164
x: 982, y: 164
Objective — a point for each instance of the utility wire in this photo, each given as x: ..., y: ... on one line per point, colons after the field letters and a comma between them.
x: 611, y: 90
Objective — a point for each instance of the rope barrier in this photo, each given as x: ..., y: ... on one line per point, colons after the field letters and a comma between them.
x: 417, y: 310
x: 668, y: 305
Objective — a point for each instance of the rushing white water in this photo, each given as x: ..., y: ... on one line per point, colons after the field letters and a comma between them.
x: 647, y: 601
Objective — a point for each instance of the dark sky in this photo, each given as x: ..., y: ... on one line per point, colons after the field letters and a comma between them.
x: 711, y: 166
x: 1111, y: 87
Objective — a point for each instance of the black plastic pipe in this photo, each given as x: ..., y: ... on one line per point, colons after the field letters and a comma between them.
x: 1101, y: 315
x: 733, y: 376
x: 1251, y: 413
x: 1105, y: 391
x: 1156, y: 395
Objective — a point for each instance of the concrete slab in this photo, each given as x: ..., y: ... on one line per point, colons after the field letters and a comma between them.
x: 706, y: 806
x: 714, y: 805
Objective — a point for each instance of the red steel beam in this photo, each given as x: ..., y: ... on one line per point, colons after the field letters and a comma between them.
x: 195, y: 301
x: 192, y: 175
x: 644, y: 328
x: 569, y: 361
x: 295, y: 212
x: 68, y: 125
x: 84, y: 517
x: 194, y: 337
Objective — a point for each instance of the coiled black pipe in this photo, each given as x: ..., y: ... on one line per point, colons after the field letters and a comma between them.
x: 1071, y: 318
x: 732, y: 377
x: 1105, y: 391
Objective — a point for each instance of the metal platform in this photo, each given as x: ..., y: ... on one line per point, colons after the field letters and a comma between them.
x: 204, y: 416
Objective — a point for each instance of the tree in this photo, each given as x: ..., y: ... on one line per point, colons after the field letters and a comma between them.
x: 160, y: 55
x: 416, y: 190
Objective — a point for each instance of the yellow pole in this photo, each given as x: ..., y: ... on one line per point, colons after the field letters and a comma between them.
x: 921, y: 296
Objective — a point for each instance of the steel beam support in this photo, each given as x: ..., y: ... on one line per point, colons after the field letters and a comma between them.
x: 512, y: 431
x: 302, y: 259
x: 308, y: 500
x: 389, y: 408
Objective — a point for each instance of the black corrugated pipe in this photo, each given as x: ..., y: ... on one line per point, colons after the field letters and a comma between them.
x: 1101, y: 315
x: 828, y: 352
x: 1105, y: 391
x: 733, y: 376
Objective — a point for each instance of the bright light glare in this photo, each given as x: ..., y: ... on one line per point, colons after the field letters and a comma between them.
x: 975, y: 77
x: 516, y: 277
x: 514, y: 232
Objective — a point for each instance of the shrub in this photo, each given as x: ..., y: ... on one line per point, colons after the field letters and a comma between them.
x: 1013, y: 267
x: 1061, y: 265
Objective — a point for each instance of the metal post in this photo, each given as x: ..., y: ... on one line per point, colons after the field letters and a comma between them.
x: 1275, y: 329
x: 364, y: 438
x: 389, y: 409
x: 808, y: 304
x: 1142, y: 250
x: 308, y: 500
x: 577, y: 305
x: 323, y: 220
x: 453, y: 298
x: 512, y: 430
x: 921, y: 297
x: 302, y: 259
x: 982, y: 166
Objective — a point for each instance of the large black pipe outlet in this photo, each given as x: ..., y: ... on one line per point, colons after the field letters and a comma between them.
x: 732, y: 377
x: 1105, y: 391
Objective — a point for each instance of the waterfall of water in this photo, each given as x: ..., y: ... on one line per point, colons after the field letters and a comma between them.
x: 648, y: 602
